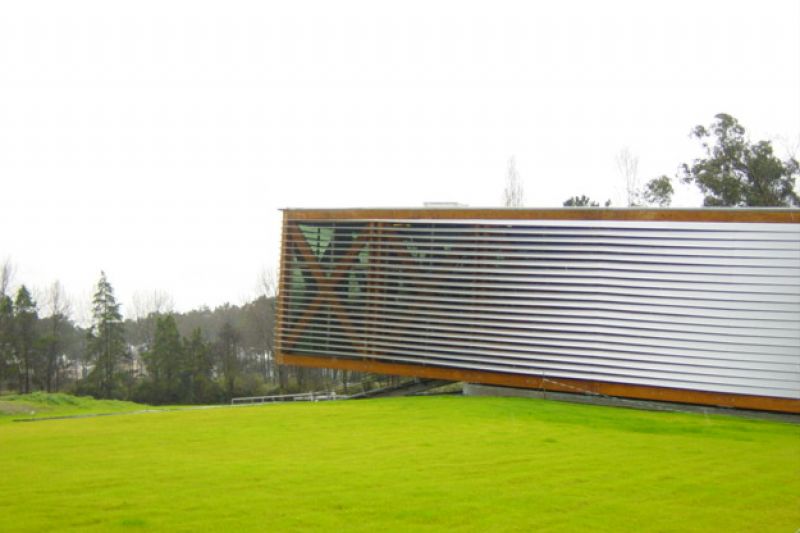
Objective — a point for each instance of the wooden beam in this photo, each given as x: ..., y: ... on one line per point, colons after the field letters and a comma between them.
x: 302, y: 248
x: 641, y: 392
x: 766, y: 215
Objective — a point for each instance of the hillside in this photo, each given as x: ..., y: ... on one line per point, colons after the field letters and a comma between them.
x: 44, y: 405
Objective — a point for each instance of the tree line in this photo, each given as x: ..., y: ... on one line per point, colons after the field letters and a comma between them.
x: 158, y: 356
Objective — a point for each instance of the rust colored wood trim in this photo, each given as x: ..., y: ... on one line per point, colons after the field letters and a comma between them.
x: 302, y: 248
x: 283, y: 275
x: 766, y: 215
x: 300, y: 325
x: 739, y: 401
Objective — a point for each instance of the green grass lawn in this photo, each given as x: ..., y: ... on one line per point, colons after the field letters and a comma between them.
x: 430, y: 464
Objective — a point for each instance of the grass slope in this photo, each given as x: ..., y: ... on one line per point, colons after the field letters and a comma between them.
x: 428, y: 464
x: 44, y: 405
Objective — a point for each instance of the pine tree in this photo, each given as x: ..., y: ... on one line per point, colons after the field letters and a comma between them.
x: 228, y: 343
x: 165, y: 360
x: 106, y: 343
x: 6, y: 338
x: 200, y: 364
x: 54, y: 339
x: 25, y: 318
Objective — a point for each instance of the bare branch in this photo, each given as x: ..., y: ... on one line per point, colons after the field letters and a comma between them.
x: 513, y: 195
x: 6, y: 276
x: 267, y: 282
x: 157, y: 302
x: 628, y: 166
x: 56, y: 302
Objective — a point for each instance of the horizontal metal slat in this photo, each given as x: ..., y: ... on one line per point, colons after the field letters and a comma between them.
x: 596, y: 351
x: 776, y: 327
x: 539, y: 298
x: 776, y: 387
x: 782, y: 312
x: 533, y: 268
x: 733, y: 352
x: 571, y: 325
x: 567, y: 279
x: 369, y: 281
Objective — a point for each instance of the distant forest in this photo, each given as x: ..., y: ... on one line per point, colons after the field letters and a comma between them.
x: 160, y: 357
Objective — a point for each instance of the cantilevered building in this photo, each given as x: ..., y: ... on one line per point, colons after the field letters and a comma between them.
x: 696, y: 306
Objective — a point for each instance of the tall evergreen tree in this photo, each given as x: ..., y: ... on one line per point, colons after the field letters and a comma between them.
x: 6, y: 338
x: 200, y: 364
x: 25, y: 318
x: 54, y: 339
x: 228, y: 343
x: 165, y: 360
x: 106, y: 343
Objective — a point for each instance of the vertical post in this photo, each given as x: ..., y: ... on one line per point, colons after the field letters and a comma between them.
x: 281, y: 299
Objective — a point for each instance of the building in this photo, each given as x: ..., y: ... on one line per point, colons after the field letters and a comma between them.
x: 697, y: 306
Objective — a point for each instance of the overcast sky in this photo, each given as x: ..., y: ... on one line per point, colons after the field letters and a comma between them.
x: 157, y: 140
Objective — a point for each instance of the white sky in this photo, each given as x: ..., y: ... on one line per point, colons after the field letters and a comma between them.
x: 157, y: 139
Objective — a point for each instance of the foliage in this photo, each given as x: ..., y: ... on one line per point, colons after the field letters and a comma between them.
x: 25, y: 317
x: 199, y: 357
x: 183, y: 367
x: 228, y: 352
x: 46, y: 398
x: 55, y: 336
x: 165, y: 361
x: 44, y: 405
x: 106, y: 343
x: 35, y: 352
x: 659, y: 191
x: 7, y: 338
x: 179, y: 370
x: 405, y: 464
x: 216, y: 353
x: 736, y: 172
x: 583, y: 201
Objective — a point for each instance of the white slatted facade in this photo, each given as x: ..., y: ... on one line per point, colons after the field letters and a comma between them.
x: 705, y: 306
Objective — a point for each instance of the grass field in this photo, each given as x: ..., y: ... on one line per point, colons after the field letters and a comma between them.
x: 429, y: 464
